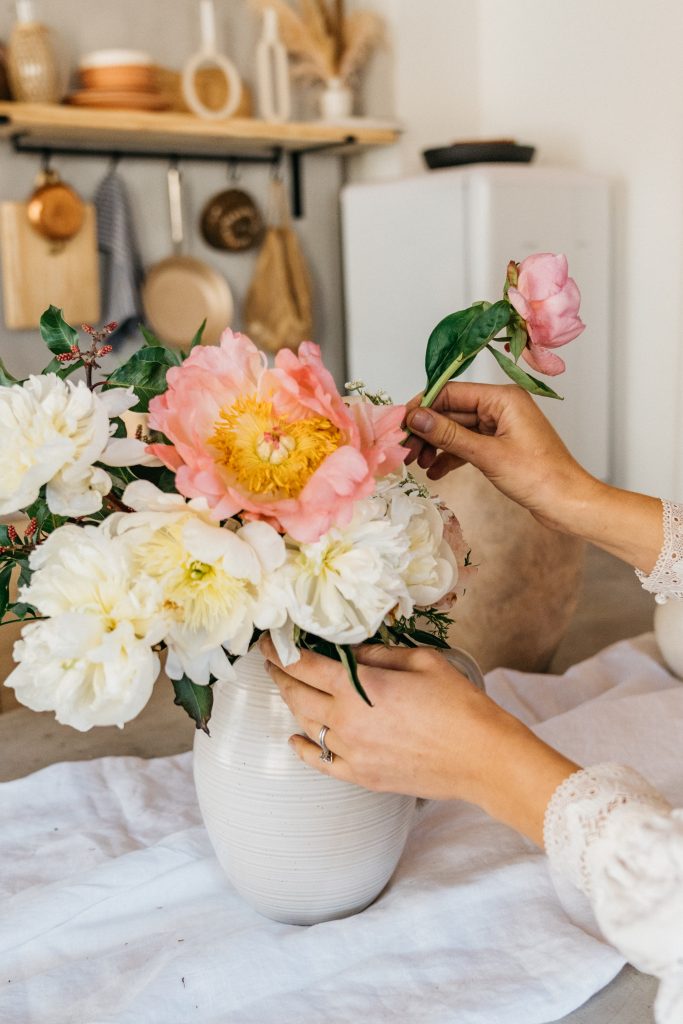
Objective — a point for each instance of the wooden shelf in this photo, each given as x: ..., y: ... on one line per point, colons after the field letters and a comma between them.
x: 55, y: 125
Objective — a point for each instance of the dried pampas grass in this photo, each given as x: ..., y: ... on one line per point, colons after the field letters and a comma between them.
x: 321, y: 41
x: 363, y: 32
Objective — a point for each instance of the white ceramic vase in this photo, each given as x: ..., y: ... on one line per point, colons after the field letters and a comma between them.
x: 336, y: 101
x: 669, y: 633
x: 299, y: 846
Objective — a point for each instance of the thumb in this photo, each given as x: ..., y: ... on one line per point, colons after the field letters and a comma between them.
x: 380, y: 656
x: 442, y: 432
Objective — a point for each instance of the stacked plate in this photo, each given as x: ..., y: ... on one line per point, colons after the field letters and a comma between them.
x: 124, y: 79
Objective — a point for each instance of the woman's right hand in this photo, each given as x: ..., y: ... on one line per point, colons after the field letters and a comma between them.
x: 500, y: 430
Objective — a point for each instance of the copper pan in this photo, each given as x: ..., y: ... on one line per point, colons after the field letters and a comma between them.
x: 181, y: 291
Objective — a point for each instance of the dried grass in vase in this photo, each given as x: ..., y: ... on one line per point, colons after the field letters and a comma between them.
x: 322, y: 41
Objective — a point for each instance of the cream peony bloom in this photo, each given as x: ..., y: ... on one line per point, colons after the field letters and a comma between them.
x: 92, y: 662
x: 391, y: 558
x: 85, y: 672
x: 430, y: 570
x: 213, y: 578
x: 53, y: 431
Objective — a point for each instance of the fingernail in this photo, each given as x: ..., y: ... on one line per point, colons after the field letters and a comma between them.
x: 422, y: 420
x: 291, y: 741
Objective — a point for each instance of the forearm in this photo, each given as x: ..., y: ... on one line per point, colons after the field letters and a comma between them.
x: 623, y: 523
x: 521, y: 775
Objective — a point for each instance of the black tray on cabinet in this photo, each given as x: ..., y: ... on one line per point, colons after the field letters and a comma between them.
x: 477, y: 153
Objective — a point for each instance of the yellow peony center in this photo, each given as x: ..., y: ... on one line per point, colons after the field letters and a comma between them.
x: 266, y: 454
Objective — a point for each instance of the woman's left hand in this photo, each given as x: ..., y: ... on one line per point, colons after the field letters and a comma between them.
x: 430, y: 733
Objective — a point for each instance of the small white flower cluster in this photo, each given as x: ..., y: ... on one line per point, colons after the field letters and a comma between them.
x: 53, y: 433
x: 169, y: 573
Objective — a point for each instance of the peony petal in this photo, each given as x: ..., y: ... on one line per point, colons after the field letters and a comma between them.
x: 117, y: 400
x: 542, y: 275
x: 543, y: 360
x: 127, y: 451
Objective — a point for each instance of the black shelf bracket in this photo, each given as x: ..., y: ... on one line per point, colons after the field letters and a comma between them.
x: 26, y: 143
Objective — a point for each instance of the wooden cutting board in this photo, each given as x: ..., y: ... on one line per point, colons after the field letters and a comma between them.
x: 36, y: 274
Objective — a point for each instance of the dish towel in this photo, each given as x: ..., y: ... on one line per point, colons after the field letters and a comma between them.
x: 114, y: 909
x: 121, y: 269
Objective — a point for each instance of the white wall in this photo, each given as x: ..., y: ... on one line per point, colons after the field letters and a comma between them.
x: 594, y: 85
x: 169, y: 32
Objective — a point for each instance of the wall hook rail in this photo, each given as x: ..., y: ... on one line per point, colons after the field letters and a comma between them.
x: 23, y: 142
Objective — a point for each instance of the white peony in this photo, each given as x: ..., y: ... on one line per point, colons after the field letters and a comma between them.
x: 214, y: 579
x: 391, y: 558
x: 430, y: 570
x: 87, y: 673
x: 92, y: 662
x: 53, y: 431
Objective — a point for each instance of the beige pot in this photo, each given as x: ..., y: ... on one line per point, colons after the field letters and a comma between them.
x: 525, y: 593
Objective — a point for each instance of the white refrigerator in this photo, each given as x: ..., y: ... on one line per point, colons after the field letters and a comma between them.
x: 416, y: 249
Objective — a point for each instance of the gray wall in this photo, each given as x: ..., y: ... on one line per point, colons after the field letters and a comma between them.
x: 169, y: 32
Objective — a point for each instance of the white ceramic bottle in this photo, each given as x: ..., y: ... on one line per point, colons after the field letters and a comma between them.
x: 274, y: 91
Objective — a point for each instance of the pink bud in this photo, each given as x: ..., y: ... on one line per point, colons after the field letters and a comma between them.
x: 12, y: 534
x: 104, y: 351
x: 31, y: 529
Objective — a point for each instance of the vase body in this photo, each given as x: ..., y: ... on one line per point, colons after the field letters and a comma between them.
x: 668, y: 625
x: 300, y: 846
x: 336, y: 101
x: 31, y: 62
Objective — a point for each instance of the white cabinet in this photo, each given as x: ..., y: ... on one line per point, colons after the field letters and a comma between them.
x: 418, y: 248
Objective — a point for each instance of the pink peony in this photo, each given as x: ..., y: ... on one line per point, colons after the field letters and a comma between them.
x: 453, y: 535
x: 548, y: 300
x: 274, y: 444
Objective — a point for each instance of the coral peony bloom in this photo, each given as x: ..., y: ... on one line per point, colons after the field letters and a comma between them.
x: 548, y: 300
x: 274, y: 444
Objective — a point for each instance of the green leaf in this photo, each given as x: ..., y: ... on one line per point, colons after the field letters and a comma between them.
x: 196, y: 700
x: 348, y: 660
x: 6, y: 378
x: 443, y: 339
x: 197, y: 340
x: 429, y: 639
x: 518, y: 340
x: 46, y: 520
x: 57, y: 334
x: 145, y: 372
x: 22, y: 611
x: 455, y: 346
x: 525, y: 380
x: 63, y: 370
x: 150, y: 338
x: 5, y: 579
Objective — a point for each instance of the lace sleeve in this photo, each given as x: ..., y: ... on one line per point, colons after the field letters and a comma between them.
x: 620, y: 842
x: 666, y: 579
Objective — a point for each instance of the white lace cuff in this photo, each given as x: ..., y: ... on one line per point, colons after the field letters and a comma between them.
x: 580, y: 810
x: 666, y: 579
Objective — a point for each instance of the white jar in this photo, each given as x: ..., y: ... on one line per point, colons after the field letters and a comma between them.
x: 669, y: 634
x: 336, y: 101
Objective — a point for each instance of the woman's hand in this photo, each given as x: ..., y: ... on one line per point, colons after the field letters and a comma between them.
x: 500, y: 430
x: 430, y: 733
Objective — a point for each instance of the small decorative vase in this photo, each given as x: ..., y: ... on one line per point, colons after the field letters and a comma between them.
x: 336, y: 101
x: 300, y: 846
x: 668, y: 627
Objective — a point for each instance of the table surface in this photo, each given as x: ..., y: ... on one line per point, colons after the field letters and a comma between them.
x: 30, y: 741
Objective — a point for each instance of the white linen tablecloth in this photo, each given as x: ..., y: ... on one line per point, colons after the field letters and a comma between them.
x: 114, y: 909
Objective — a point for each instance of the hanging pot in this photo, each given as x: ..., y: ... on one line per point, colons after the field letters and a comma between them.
x: 301, y: 847
x: 55, y: 210
x: 181, y: 291
x: 231, y: 221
